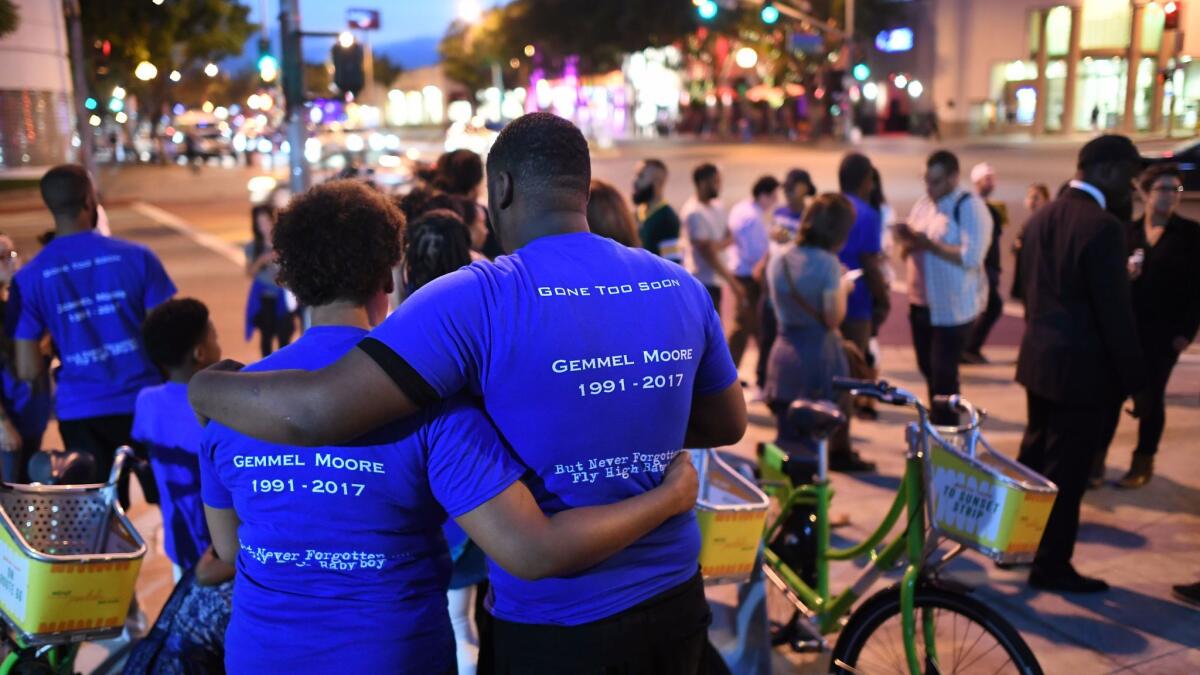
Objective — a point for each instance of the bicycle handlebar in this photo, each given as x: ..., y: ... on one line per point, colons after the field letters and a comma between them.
x: 886, y: 393
x: 880, y: 391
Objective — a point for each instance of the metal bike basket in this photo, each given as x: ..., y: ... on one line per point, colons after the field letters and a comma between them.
x: 731, y: 512
x: 985, y: 500
x: 69, y: 559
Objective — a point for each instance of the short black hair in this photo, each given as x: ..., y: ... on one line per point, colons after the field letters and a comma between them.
x: 173, y: 329
x: 764, y: 185
x: 458, y: 172
x: 705, y: 171
x: 945, y: 159
x: 65, y: 189
x: 543, y: 152
x: 337, y: 241
x: 435, y: 244
x: 1156, y: 171
x: 1108, y: 148
x: 656, y: 163
x: 853, y: 171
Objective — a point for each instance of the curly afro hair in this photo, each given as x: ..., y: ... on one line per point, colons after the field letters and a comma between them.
x: 173, y: 329
x: 435, y: 244
x: 338, y: 241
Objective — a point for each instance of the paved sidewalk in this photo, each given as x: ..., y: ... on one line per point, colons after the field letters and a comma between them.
x: 1141, y: 542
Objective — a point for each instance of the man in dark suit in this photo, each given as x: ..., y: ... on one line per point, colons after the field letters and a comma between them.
x: 1080, y: 356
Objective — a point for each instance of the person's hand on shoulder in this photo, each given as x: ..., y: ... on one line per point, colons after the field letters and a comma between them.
x: 222, y: 366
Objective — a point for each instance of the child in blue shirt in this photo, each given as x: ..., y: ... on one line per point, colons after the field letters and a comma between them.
x: 341, y: 561
x: 181, y: 340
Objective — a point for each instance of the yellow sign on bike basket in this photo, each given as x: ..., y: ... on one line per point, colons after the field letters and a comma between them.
x: 731, y: 512
x: 988, y: 502
x: 69, y: 560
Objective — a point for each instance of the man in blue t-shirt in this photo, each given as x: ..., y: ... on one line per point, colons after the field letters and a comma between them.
x: 342, y: 566
x: 596, y: 362
x: 90, y: 293
x: 181, y: 340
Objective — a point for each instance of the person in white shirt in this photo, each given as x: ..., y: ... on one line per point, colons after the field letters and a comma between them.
x: 749, y: 226
x: 947, y: 234
x: 708, y: 235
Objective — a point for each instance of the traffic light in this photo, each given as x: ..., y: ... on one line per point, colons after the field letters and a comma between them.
x: 707, y: 9
x: 348, y: 74
x: 861, y: 72
x: 268, y: 65
x: 1171, y: 16
x: 769, y: 12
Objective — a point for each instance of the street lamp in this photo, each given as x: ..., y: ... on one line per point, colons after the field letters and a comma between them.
x: 211, y: 70
x: 530, y: 51
x: 145, y: 71
x: 469, y: 11
x: 346, y: 39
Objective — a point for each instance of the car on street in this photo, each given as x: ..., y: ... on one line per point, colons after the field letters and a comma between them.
x: 1187, y: 156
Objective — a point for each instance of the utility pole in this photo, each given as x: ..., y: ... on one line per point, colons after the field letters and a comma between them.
x: 849, y: 19
x: 87, y: 142
x: 293, y: 94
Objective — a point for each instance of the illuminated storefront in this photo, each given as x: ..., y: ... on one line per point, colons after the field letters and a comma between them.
x: 985, y: 68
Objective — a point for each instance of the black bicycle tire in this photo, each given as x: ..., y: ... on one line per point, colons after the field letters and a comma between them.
x: 886, y: 603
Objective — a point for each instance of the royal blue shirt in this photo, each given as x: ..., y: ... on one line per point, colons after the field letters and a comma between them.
x: 91, y: 294
x: 587, y: 355
x: 866, y: 238
x: 343, y: 567
x: 164, y: 422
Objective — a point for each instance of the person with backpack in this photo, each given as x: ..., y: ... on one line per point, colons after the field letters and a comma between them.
x: 944, y: 241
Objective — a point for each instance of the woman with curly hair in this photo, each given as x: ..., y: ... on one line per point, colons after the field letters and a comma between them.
x: 341, y: 561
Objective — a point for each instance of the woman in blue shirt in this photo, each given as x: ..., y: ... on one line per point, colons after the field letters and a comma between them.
x: 342, y: 565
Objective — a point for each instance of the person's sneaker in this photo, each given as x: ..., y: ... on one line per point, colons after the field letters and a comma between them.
x: 1066, y: 580
x: 973, y: 359
x: 849, y: 462
x: 1188, y: 593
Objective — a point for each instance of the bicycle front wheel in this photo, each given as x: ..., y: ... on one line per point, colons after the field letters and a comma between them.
x: 968, y: 637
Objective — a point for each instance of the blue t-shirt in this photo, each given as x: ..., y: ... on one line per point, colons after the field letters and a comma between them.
x: 164, y: 422
x: 343, y: 566
x: 789, y: 220
x: 866, y: 237
x: 91, y: 294
x: 587, y: 355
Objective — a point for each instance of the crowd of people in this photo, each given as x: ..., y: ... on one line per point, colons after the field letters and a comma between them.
x: 471, y: 456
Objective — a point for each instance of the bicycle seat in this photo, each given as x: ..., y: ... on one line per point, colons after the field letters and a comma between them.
x: 814, y: 419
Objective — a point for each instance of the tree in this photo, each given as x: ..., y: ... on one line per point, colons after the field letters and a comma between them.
x: 181, y: 35
x: 386, y: 70
x: 9, y: 18
x: 599, y: 33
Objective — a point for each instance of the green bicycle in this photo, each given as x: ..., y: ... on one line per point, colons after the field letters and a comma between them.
x: 925, y: 623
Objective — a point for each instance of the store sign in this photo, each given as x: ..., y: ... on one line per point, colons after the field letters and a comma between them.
x: 895, y: 40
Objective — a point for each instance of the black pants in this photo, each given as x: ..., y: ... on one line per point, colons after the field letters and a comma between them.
x: 768, y: 329
x: 1061, y: 442
x: 745, y: 323
x: 1161, y: 358
x: 272, y: 327
x: 665, y: 635
x: 991, y: 314
x: 938, y: 350
x: 101, y: 436
x: 14, y: 466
